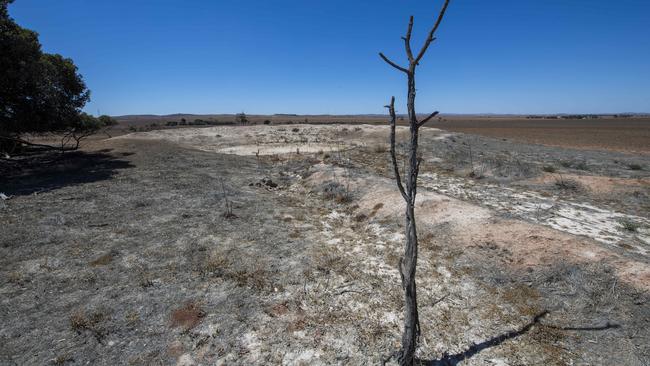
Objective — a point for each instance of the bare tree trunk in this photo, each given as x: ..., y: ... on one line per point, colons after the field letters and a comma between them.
x: 408, y: 263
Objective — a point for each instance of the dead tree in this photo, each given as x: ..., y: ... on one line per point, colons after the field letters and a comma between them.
x: 408, y: 190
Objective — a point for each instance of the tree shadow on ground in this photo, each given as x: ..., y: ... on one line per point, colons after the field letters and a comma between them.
x: 455, y: 359
x: 47, y: 171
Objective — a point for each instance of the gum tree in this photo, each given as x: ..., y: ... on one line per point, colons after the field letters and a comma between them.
x: 408, y: 188
x: 39, y: 92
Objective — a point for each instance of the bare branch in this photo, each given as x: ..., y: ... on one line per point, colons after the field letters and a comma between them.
x: 391, y: 63
x: 407, y: 40
x: 393, y: 118
x: 431, y: 38
x: 420, y: 124
x: 25, y: 142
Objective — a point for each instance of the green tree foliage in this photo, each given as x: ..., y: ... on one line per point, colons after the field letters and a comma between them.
x: 107, y: 121
x: 39, y: 92
x: 241, y: 118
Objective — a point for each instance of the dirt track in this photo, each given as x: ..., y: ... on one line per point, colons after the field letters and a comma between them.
x: 135, y: 262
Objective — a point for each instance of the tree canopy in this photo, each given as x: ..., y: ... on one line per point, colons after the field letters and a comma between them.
x: 39, y: 92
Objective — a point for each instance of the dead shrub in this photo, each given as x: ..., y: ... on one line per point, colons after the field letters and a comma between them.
x: 380, y: 148
x: 145, y: 278
x: 567, y: 184
x: 336, y: 191
x: 582, y: 165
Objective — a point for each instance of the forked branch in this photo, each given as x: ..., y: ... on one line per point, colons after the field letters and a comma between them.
x: 413, y: 61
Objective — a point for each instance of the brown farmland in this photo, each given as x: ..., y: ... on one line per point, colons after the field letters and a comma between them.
x: 630, y: 135
x: 624, y: 134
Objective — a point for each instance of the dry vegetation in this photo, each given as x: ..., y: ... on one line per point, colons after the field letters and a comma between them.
x: 120, y: 254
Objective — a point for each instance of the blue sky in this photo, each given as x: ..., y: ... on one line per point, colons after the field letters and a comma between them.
x: 317, y: 56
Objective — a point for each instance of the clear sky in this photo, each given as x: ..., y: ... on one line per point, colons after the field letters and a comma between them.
x: 320, y: 56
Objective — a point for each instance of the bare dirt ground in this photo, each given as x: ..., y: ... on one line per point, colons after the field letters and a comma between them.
x: 618, y: 134
x: 127, y: 252
x: 629, y: 134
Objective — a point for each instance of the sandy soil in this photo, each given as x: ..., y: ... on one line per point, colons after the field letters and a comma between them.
x: 126, y: 253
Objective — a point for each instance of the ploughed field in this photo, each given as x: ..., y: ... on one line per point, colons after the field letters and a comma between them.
x: 617, y: 134
x: 279, y: 245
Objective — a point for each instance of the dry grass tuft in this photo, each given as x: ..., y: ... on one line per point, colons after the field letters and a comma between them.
x: 62, y: 359
x: 17, y: 278
x: 524, y: 298
x: 215, y: 264
x: 132, y: 318
x: 256, y: 279
x: 93, y: 322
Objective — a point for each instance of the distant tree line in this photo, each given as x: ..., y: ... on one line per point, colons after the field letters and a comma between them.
x: 39, y: 92
x: 197, y: 122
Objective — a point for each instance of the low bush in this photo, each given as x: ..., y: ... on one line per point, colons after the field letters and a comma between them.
x: 567, y: 184
x: 629, y: 225
x: 549, y: 169
x: 336, y: 191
